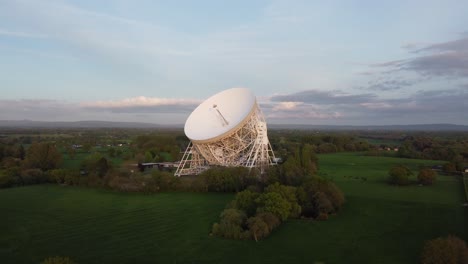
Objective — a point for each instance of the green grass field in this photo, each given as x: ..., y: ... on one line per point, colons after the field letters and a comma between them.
x: 379, y: 223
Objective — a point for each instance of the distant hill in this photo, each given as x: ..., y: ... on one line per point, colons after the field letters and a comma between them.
x: 77, y: 124
x: 418, y: 127
x: 108, y: 124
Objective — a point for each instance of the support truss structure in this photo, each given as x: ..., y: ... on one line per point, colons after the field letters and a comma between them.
x: 245, y: 145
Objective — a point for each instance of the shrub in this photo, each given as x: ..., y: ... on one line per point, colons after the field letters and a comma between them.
x: 258, y: 228
x: 57, y: 260
x: 231, y: 225
x: 5, y: 180
x: 445, y: 250
x: 426, y: 176
x: 33, y: 176
x: 399, y: 175
x: 272, y: 202
x: 320, y: 195
x: 245, y: 201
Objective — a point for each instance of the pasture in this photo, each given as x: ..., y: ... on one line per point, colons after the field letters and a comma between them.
x: 379, y: 223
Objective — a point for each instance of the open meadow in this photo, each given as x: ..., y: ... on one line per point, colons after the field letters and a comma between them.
x: 378, y: 224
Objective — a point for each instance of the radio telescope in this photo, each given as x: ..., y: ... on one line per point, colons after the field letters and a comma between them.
x: 227, y: 129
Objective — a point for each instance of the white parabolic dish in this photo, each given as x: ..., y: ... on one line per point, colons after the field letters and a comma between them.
x: 219, y: 114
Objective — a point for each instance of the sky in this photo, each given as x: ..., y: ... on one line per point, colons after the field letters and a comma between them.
x: 308, y: 62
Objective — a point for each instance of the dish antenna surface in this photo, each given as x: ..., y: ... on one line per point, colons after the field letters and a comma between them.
x: 227, y: 129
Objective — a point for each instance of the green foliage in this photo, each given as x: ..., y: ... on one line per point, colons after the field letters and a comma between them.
x: 226, y: 179
x: 322, y: 204
x: 33, y: 176
x: 96, y: 164
x: 75, y: 217
x: 44, y: 156
x: 399, y: 175
x: 58, y: 175
x: 245, y: 201
x: 57, y: 260
x: 270, y: 219
x: 231, y: 225
x: 289, y: 194
x: 6, y: 180
x: 320, y: 196
x: 274, y: 203
x: 258, y: 228
x: 445, y: 250
x: 449, y: 167
x: 427, y: 176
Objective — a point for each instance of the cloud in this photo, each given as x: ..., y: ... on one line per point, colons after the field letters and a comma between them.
x: 435, y: 106
x: 445, y: 59
x: 287, y: 106
x: 306, y: 107
x: 144, y: 104
x: 389, y: 84
x: 323, y: 97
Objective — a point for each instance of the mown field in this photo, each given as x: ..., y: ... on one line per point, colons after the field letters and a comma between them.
x: 379, y: 223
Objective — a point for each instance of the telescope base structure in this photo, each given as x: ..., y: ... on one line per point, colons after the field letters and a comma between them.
x: 247, y: 146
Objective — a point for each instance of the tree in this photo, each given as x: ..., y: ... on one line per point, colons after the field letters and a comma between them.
x: 245, y: 201
x: 44, y: 156
x: 322, y: 204
x: 273, y: 203
x: 445, y: 250
x: 20, y: 152
x: 148, y: 156
x: 449, y: 167
x: 308, y: 160
x: 57, y: 260
x: 270, y: 219
x: 258, y: 228
x: 292, y: 172
x: 320, y: 195
x: 399, y: 175
x: 289, y: 194
x: 111, y: 152
x: 231, y: 224
x: 426, y: 176
x: 97, y: 164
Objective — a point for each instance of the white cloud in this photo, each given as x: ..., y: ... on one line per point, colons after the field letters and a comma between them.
x: 286, y: 106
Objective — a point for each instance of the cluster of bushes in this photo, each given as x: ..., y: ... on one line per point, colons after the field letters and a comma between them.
x: 29, y: 167
x: 450, y: 148
x: 400, y: 175
x: 254, y: 215
x: 320, y: 143
x: 445, y: 250
x: 58, y: 260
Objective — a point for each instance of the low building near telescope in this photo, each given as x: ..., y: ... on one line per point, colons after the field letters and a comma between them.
x: 227, y: 129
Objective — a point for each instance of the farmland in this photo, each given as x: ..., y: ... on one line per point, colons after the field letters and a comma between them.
x: 379, y: 223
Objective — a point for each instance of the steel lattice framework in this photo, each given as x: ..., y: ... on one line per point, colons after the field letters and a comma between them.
x: 246, y: 145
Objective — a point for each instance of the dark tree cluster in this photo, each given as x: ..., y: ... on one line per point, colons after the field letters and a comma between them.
x: 31, y: 166
x: 254, y: 215
x: 445, y: 250
x: 158, y: 147
x: 287, y: 141
x: 454, y: 150
x: 401, y: 175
